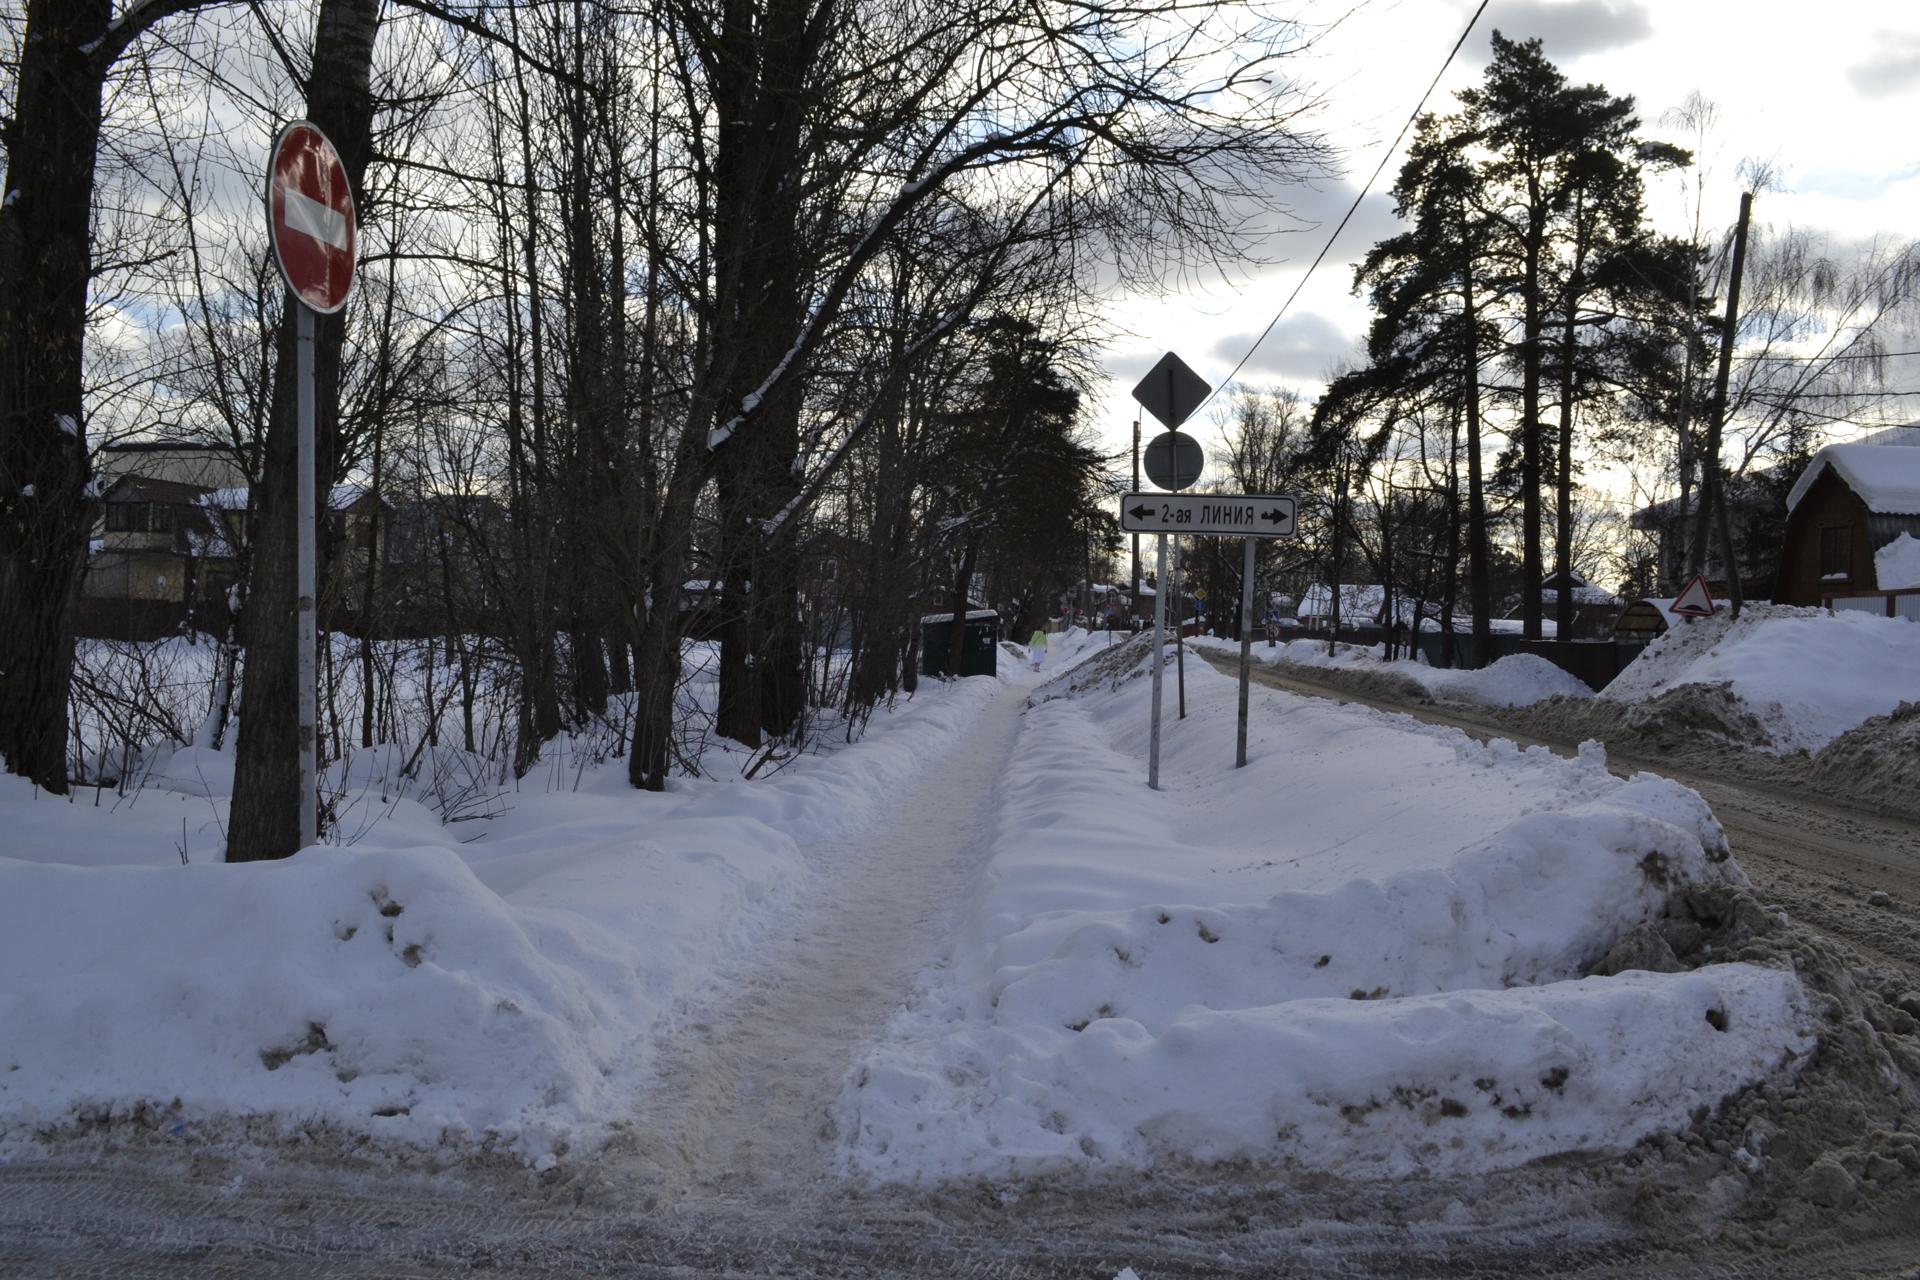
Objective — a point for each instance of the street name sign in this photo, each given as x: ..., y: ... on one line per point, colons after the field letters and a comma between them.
x: 310, y: 217
x: 1236, y: 515
x: 1171, y: 391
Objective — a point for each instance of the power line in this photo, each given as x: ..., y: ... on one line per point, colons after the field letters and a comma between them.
x: 1352, y: 208
x: 1851, y: 355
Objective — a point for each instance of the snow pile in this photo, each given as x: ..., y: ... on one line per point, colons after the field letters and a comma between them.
x: 501, y: 982
x: 1517, y: 680
x: 1805, y: 675
x: 1897, y: 565
x: 1362, y: 953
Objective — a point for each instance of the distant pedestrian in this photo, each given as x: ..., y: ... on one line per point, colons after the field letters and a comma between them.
x: 1037, y: 649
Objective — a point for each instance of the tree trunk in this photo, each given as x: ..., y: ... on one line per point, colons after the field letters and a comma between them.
x: 46, y: 509
x: 266, y: 782
x: 1450, y: 588
x: 1532, y: 328
x: 1563, y: 487
x: 1479, y: 553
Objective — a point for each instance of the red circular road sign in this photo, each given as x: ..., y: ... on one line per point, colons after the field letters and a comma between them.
x: 310, y: 217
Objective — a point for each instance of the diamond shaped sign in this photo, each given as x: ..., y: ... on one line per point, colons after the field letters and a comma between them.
x: 1171, y: 391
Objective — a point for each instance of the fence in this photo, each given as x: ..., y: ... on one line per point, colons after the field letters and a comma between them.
x: 1596, y: 662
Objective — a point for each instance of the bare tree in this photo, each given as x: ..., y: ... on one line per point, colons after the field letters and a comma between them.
x: 67, y: 49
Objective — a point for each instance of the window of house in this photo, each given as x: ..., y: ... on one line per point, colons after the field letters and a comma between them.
x: 159, y: 518
x: 1836, y: 552
x: 126, y: 517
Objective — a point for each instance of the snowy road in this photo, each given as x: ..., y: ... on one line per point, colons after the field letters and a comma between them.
x: 1819, y: 861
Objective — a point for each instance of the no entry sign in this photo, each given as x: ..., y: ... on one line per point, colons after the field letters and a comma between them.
x: 310, y: 217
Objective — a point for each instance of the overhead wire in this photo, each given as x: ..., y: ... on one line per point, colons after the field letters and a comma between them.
x: 1353, y: 208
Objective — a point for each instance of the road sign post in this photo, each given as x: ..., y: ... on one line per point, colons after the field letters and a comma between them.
x: 1246, y: 650
x: 1250, y: 516
x: 310, y: 222
x: 305, y: 616
x: 1179, y: 630
x: 1159, y: 630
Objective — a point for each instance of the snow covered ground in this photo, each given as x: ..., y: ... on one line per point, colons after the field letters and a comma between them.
x: 501, y: 981
x: 1806, y: 674
x: 1513, y: 681
x: 1362, y: 953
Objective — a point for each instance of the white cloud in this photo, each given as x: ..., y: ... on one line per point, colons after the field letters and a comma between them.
x: 1305, y: 345
x: 1892, y: 68
x: 1566, y: 28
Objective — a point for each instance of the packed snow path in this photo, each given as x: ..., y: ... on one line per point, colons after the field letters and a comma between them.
x: 740, y: 1107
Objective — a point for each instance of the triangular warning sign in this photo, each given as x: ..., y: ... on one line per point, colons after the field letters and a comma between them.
x: 1694, y: 602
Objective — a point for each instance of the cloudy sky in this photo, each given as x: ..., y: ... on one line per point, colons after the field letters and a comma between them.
x: 1827, y: 93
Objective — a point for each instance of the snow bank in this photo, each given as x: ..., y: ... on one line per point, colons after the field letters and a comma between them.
x: 1362, y: 953
x: 1806, y: 674
x: 501, y: 981
x: 1516, y: 680
x: 1897, y: 565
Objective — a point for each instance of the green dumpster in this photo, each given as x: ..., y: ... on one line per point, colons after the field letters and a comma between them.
x: 978, y: 647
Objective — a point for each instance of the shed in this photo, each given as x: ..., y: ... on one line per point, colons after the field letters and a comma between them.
x: 1643, y: 620
x: 1851, y: 502
x: 978, y: 648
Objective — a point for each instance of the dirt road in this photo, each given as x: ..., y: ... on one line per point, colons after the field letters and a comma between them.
x: 1820, y: 862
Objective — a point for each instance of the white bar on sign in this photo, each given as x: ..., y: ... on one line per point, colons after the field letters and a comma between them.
x: 309, y: 217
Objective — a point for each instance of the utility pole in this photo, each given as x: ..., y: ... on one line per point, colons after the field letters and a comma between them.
x: 1714, y: 498
x: 1339, y: 520
x: 1179, y: 628
x: 1134, y: 595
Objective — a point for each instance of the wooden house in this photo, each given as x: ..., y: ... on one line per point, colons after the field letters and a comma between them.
x: 1851, y: 502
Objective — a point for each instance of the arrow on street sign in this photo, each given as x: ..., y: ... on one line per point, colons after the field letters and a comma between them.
x: 1237, y: 515
x: 1171, y: 391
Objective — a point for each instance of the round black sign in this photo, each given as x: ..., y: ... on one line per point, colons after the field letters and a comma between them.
x: 1173, y: 460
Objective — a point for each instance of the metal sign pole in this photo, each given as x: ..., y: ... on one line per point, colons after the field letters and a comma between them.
x: 304, y: 574
x: 1246, y: 650
x: 1180, y: 629
x: 1159, y: 632
x: 1133, y: 592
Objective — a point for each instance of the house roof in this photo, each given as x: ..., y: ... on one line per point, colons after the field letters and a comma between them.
x: 973, y: 615
x: 146, y: 489
x: 342, y: 497
x: 1885, y: 476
